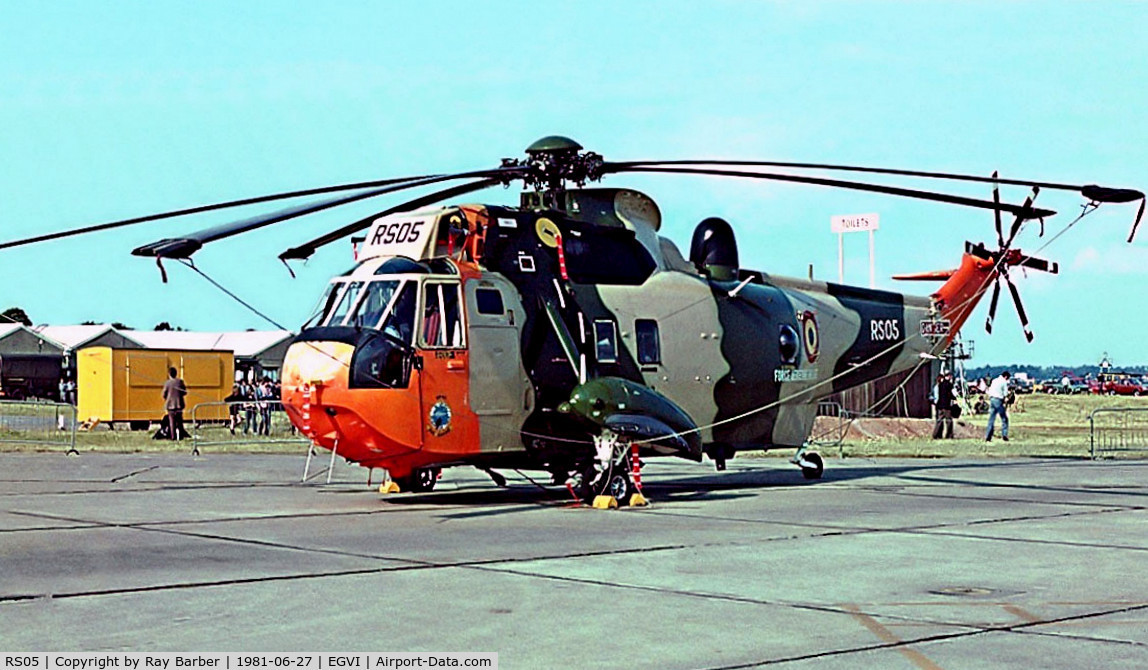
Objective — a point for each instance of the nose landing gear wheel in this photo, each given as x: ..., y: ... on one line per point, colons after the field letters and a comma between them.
x: 812, y: 466
x: 420, y: 481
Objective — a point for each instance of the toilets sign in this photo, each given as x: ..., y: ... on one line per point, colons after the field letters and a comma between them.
x: 854, y: 223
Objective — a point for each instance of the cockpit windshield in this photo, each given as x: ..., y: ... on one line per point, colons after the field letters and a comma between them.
x: 374, y: 303
x: 345, y: 302
x: 323, y: 307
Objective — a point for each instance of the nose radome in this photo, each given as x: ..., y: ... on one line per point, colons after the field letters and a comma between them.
x: 314, y: 362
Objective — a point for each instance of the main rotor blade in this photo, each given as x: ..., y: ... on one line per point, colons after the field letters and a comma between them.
x: 304, y: 251
x: 184, y: 247
x: 1090, y: 191
x: 205, y: 208
x: 857, y: 186
x: 1019, y: 308
x: 993, y: 306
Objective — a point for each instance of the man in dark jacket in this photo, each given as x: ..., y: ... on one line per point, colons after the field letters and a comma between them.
x: 173, y: 392
x: 943, y: 401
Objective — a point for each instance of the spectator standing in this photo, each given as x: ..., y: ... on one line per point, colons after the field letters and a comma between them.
x: 943, y: 400
x: 233, y: 403
x: 998, y: 392
x: 265, y: 397
x: 249, y: 409
x: 174, y: 391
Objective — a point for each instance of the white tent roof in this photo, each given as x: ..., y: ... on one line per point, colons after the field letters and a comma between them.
x: 74, y: 337
x: 242, y: 343
x: 7, y: 329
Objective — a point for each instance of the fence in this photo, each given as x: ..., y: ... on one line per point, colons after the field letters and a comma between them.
x: 831, y: 435
x: 40, y: 423
x: 250, y: 423
x: 1114, y: 430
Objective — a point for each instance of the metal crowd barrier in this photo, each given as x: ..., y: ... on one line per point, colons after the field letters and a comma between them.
x: 38, y: 422
x: 1114, y: 430
x: 213, y: 424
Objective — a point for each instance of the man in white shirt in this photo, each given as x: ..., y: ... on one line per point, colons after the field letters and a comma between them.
x: 997, y: 393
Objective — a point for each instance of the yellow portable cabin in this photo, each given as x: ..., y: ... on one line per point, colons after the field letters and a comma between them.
x: 115, y: 385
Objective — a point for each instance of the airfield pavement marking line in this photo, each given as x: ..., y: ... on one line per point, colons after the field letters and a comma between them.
x: 1020, y: 613
x: 886, y: 635
x: 116, y: 480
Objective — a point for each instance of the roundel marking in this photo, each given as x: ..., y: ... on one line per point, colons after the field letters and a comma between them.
x: 547, y: 232
x: 811, y: 335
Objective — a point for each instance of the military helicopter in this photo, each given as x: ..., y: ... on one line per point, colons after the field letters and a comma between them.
x: 566, y: 335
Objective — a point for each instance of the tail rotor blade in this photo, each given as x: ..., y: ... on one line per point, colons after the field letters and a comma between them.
x: 1039, y: 264
x: 1019, y: 309
x: 1022, y: 216
x: 993, y: 306
x: 997, y: 211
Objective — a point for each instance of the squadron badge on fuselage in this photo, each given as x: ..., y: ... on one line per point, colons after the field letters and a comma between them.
x: 439, y: 417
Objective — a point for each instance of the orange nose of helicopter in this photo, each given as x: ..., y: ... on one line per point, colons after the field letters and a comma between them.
x: 367, y: 425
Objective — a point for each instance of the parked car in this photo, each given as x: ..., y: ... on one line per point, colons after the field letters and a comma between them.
x: 1127, y: 386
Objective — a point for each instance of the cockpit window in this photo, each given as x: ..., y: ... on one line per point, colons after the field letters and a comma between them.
x: 441, y: 325
x: 374, y: 303
x: 345, y: 303
x: 400, y: 322
x: 323, y: 307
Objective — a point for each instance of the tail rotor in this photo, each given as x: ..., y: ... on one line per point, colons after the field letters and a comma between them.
x: 1005, y: 257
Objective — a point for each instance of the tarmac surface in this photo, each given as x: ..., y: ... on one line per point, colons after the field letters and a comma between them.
x: 887, y: 563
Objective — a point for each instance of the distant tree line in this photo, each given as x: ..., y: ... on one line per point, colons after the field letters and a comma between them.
x: 18, y: 315
x: 1049, y: 371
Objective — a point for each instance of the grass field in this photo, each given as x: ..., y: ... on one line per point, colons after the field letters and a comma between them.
x: 1040, y: 425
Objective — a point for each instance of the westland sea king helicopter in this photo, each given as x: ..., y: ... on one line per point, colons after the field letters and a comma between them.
x: 566, y: 335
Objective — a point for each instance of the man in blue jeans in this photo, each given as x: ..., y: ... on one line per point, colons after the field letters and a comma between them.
x: 997, y: 393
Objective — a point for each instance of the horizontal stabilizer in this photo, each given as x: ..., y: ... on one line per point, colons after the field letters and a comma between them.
x: 936, y: 275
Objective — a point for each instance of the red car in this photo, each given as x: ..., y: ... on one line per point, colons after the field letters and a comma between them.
x: 1124, y: 387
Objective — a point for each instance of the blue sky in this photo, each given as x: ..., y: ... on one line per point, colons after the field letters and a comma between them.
x: 117, y: 109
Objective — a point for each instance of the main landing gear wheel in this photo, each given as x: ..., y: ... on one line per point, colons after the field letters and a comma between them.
x: 615, y: 484
x: 812, y: 465
x: 618, y: 486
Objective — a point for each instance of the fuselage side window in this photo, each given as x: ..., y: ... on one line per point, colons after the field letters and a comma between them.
x: 489, y: 301
x: 605, y: 341
x: 441, y: 321
x: 649, y: 342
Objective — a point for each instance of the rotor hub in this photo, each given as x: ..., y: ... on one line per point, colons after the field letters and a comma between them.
x: 553, y: 161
